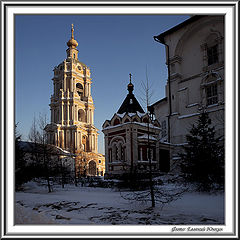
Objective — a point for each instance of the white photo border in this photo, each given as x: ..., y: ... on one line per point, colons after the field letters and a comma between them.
x: 9, y: 9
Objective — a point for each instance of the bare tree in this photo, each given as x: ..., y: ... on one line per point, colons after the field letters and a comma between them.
x: 148, y: 95
x: 40, y: 151
x: 43, y: 141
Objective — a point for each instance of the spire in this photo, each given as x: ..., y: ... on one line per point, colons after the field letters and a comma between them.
x: 72, y: 43
x: 72, y: 31
x: 130, y: 85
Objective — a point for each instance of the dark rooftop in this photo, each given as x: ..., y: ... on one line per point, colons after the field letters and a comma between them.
x: 130, y: 104
x: 161, y: 36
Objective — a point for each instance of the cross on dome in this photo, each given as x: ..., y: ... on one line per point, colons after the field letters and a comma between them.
x: 72, y: 31
x: 72, y: 43
x: 130, y: 85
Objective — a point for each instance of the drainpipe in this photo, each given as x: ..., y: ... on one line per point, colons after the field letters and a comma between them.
x: 161, y: 40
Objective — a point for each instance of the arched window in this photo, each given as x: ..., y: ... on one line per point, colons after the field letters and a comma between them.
x: 79, y: 89
x: 135, y: 120
x: 126, y: 120
x: 92, y: 168
x: 212, y: 50
x: 81, y: 115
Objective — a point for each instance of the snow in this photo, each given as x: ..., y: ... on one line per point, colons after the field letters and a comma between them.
x: 140, y: 114
x: 139, y: 123
x: 105, y: 206
x: 181, y: 89
x: 192, y: 104
x: 146, y: 136
x: 121, y: 115
x: 188, y: 115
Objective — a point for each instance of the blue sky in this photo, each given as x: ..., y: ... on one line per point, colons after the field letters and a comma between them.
x: 111, y: 45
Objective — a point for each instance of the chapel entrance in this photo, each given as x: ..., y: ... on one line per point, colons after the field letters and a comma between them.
x: 92, y: 168
x: 164, y: 164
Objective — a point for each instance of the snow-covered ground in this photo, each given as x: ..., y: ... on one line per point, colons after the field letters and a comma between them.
x: 87, y: 205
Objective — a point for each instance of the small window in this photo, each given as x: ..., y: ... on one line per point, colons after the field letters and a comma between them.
x: 99, y: 161
x: 164, y: 128
x: 212, y: 95
x: 131, y: 101
x: 212, y: 54
x: 74, y: 55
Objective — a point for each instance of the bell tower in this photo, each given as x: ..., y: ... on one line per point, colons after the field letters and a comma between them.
x: 72, y: 109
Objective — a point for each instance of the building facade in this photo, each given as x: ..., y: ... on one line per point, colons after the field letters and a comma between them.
x: 131, y: 140
x: 195, y: 60
x: 72, y: 113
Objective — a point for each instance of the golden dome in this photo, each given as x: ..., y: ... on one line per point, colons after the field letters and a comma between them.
x: 72, y: 42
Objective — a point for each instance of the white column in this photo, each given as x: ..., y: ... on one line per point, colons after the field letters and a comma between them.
x: 89, y: 90
x: 71, y: 85
x: 62, y: 112
x: 67, y: 113
x: 64, y: 83
x: 63, y: 145
x: 76, y: 110
x: 93, y: 143
x: 86, y: 89
x: 92, y: 117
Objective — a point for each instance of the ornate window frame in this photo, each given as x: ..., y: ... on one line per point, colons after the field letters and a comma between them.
x: 213, y: 39
x: 212, y: 79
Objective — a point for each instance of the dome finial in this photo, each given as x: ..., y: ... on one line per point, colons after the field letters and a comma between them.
x: 72, y: 43
x: 72, y: 31
x: 130, y: 85
x: 130, y: 77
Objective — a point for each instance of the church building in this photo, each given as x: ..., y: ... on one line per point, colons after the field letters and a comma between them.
x: 72, y: 113
x: 131, y: 139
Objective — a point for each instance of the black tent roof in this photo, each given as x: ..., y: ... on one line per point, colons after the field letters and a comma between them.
x: 130, y: 104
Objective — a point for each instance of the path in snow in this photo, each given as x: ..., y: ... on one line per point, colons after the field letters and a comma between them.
x: 85, y: 205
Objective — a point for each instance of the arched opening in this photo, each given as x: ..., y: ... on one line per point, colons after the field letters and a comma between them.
x: 92, y: 168
x: 116, y: 122
x: 79, y: 89
x: 127, y: 120
x: 135, y: 120
x: 81, y: 115
x: 145, y: 120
